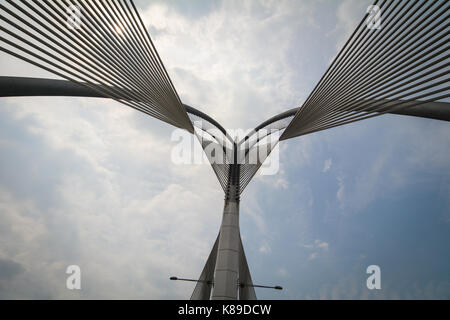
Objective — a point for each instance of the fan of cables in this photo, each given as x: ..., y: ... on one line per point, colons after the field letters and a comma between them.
x: 102, y: 45
x: 397, y: 58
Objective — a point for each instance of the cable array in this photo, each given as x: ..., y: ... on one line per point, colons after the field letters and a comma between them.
x: 256, y: 147
x: 397, y: 64
x: 400, y: 63
x: 108, y: 49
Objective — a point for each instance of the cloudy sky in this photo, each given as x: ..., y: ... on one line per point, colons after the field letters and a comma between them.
x: 90, y: 182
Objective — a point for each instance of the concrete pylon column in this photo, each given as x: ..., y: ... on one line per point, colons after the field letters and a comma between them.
x: 226, y: 272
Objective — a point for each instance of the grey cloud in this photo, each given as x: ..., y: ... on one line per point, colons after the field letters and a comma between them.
x: 9, y: 268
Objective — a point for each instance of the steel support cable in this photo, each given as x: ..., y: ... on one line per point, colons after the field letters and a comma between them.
x: 349, y: 60
x: 209, y: 130
x: 251, y: 173
x: 357, y: 102
x: 377, y: 105
x: 213, y: 140
x: 135, y: 99
x: 194, y: 113
x: 251, y: 168
x: 112, y: 92
x: 104, y: 90
x: 259, y: 137
x: 355, y: 47
x: 246, y: 166
x: 149, y: 40
x: 363, y: 83
x: 358, y: 43
x: 136, y: 55
x: 60, y: 29
x: 120, y: 66
x: 244, y: 171
x: 220, y: 169
x: 223, y: 171
x: 283, y: 121
x: 108, y: 28
x: 280, y: 122
x: 205, y: 142
x: 135, y: 36
x: 142, y: 38
x: 393, y: 108
x: 382, y: 108
x: 255, y: 137
x: 160, y: 69
x: 248, y: 170
x: 329, y: 69
x: 248, y: 151
x: 151, y: 105
x: 349, y: 53
x: 373, y: 106
x: 222, y: 175
x: 370, y: 91
x: 378, y: 77
x: 107, y: 60
x: 225, y: 178
x: 398, y: 109
x: 205, y: 135
x: 255, y: 144
x: 368, y: 61
x: 104, y: 75
x: 219, y: 141
x: 245, y: 180
x: 259, y: 160
x: 363, y: 103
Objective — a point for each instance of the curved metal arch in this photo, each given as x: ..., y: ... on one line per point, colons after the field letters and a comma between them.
x: 280, y: 116
x: 25, y: 86
x: 204, y: 116
x: 437, y: 110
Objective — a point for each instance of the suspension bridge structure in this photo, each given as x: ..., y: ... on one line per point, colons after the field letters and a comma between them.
x: 402, y: 68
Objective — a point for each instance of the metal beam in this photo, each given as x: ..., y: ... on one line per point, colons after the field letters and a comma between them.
x: 23, y: 86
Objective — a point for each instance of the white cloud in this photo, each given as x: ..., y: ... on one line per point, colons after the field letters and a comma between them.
x: 282, y: 272
x: 327, y: 165
x: 321, y: 244
x: 341, y: 189
x: 349, y: 13
x: 116, y: 200
x: 312, y: 256
x: 316, y: 247
x: 232, y: 64
x: 122, y: 197
x: 265, y: 249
